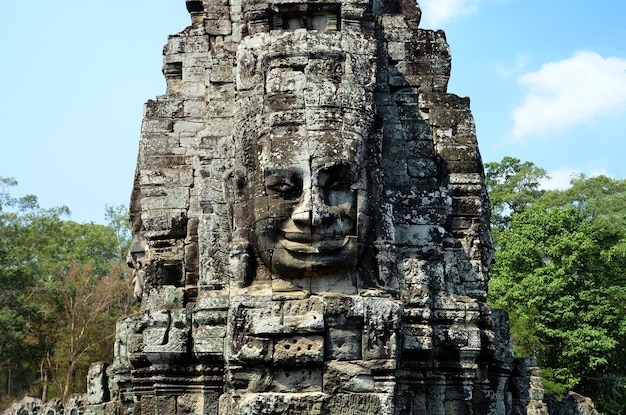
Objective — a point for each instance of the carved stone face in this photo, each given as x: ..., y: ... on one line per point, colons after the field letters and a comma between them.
x: 302, y: 147
x: 307, y: 192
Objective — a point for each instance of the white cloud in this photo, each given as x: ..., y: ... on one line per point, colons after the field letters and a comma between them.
x: 560, y: 178
x: 515, y: 68
x: 569, y: 93
x: 437, y: 12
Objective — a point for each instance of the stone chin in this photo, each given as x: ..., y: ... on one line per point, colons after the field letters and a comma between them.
x: 325, y: 258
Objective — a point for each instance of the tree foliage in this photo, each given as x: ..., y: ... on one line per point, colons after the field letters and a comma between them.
x: 513, y: 186
x: 62, y: 285
x: 560, y: 271
x: 89, y: 307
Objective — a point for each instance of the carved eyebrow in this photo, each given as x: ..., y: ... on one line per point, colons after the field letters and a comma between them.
x: 273, y: 173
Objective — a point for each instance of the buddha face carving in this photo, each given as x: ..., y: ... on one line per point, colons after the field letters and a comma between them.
x: 303, y: 142
x: 307, y: 194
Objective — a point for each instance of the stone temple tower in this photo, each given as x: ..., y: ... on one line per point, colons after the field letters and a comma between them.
x: 311, y: 225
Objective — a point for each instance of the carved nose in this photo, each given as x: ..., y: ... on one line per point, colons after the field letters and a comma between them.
x: 311, y: 211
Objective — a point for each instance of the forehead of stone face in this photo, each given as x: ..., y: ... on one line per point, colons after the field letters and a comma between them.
x: 325, y: 146
x: 295, y: 145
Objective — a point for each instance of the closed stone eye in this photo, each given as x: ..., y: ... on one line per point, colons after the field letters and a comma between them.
x: 283, y: 187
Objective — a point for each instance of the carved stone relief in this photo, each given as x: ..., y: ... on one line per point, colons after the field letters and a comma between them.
x: 311, y: 226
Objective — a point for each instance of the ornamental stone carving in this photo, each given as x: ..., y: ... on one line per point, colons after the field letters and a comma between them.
x: 311, y: 226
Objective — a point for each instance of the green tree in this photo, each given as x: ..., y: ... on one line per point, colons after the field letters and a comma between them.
x: 23, y: 226
x: 62, y: 285
x: 117, y: 219
x: 560, y: 271
x: 88, y: 305
x: 600, y: 199
x: 81, y: 299
x: 512, y: 186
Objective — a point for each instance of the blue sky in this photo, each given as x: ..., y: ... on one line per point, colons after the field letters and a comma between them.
x: 546, y: 78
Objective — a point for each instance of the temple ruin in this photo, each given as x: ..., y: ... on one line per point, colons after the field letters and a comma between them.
x: 311, y: 226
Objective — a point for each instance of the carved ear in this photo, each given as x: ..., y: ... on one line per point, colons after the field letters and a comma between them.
x: 240, y: 181
x: 241, y: 261
x: 235, y: 184
x: 237, y: 193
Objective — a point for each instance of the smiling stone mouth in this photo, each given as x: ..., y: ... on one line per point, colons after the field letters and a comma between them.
x: 308, y: 245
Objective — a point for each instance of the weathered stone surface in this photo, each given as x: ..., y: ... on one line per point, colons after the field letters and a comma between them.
x: 312, y: 224
x: 572, y: 404
x: 311, y: 227
x: 97, y: 384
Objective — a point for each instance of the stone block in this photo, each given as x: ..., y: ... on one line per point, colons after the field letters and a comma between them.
x: 196, y: 108
x: 208, y: 347
x: 380, y: 332
x: 303, y: 316
x: 297, y: 350
x: 266, y: 321
x: 218, y: 27
x: 166, y: 297
x: 274, y: 404
x: 418, y: 235
x: 253, y: 349
x: 297, y: 380
x: 166, y: 177
x: 312, y: 210
x: 357, y: 404
x: 165, y: 198
x: 348, y: 376
x: 97, y: 384
x: 344, y: 343
x: 163, y: 109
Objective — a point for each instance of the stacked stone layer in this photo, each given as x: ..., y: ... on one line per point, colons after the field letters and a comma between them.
x: 416, y: 335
